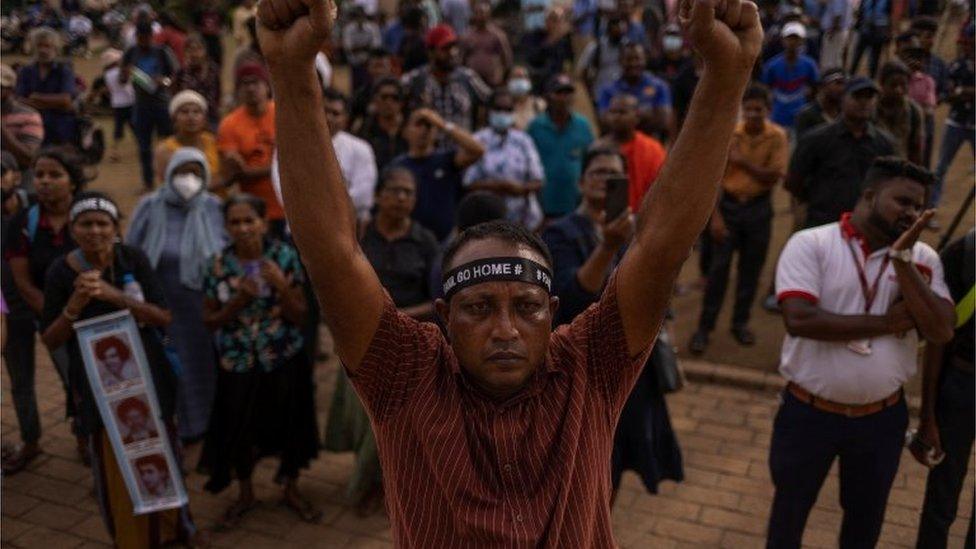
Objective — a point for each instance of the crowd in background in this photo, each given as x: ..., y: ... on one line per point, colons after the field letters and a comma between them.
x: 455, y: 113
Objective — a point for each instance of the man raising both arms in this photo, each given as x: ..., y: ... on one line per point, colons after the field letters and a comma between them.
x: 501, y: 434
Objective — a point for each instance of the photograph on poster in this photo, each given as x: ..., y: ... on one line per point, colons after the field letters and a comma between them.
x: 117, y: 367
x: 153, y: 475
x: 135, y: 420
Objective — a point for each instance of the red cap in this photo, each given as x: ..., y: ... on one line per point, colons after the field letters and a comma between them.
x: 251, y: 69
x: 440, y: 36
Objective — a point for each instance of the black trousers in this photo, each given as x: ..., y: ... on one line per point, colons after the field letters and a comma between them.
x: 18, y: 355
x: 805, y: 443
x: 954, y: 412
x: 875, y: 39
x: 749, y: 225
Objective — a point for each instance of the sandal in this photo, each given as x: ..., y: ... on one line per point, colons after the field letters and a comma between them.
x: 17, y: 459
x: 303, y: 508
x: 233, y: 515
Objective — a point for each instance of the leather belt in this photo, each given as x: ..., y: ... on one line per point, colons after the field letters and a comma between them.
x: 849, y: 410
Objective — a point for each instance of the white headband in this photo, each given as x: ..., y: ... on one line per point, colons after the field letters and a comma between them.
x: 94, y: 204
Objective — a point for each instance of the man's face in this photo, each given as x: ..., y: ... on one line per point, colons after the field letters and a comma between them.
x: 378, y: 67
x: 860, y: 105
x: 499, y: 330
x: 895, y: 205
x: 445, y: 57
x: 895, y: 86
x: 388, y: 101
x: 926, y: 39
x: 335, y: 115
x: 398, y: 196
x: 561, y: 100
x: 253, y: 90
x: 134, y: 420
x: 632, y: 62
x: 754, y: 112
x: 45, y: 50
x: 190, y: 119
x: 153, y: 478
x: 834, y: 89
x: 419, y: 133
x: 622, y: 115
x: 792, y: 43
x: 480, y: 15
x: 195, y: 52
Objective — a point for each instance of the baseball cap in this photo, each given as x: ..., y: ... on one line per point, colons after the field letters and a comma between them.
x: 794, y: 29
x: 833, y: 75
x: 859, y: 83
x: 440, y: 36
x: 8, y: 78
x: 560, y: 82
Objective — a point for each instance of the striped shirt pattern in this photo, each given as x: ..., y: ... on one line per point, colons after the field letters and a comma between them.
x: 461, y: 470
x: 24, y: 123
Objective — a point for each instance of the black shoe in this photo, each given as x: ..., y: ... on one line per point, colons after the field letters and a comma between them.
x: 744, y: 335
x: 698, y: 343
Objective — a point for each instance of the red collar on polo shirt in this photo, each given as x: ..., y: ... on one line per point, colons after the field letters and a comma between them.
x: 849, y: 231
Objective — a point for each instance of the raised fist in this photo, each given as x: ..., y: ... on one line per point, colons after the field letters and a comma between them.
x: 726, y: 33
x: 291, y: 32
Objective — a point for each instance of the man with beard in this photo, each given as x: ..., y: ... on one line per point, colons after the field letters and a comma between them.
x: 644, y: 154
x: 454, y: 92
x: 829, y: 163
x: 500, y: 432
x: 857, y: 295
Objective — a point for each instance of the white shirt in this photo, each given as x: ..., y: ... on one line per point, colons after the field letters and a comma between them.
x: 120, y: 95
x: 324, y: 69
x: 358, y: 166
x: 817, y: 265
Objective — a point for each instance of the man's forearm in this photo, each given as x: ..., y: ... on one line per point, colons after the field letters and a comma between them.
x: 932, y: 314
x: 931, y: 370
x: 824, y: 326
x: 52, y: 101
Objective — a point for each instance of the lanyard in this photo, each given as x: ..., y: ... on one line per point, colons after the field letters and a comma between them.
x: 870, y: 292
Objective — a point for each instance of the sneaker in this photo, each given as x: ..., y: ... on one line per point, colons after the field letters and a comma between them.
x: 698, y: 343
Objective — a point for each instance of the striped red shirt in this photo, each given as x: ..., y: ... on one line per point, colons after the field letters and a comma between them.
x: 461, y: 470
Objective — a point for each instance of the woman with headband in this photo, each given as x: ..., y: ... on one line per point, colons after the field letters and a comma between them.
x: 39, y: 235
x: 86, y: 283
x: 180, y: 227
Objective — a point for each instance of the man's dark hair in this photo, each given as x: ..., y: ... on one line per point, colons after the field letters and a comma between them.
x: 925, y: 23
x: 631, y: 45
x: 886, y: 168
x: 377, y: 53
x: 255, y: 202
x: 760, y: 92
x: 332, y: 95
x: 480, y: 207
x: 597, y: 152
x: 498, y: 230
x: 70, y: 160
x: 389, y: 172
x: 893, y: 68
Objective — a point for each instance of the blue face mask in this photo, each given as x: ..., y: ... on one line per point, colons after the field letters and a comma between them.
x: 500, y: 120
x: 519, y: 86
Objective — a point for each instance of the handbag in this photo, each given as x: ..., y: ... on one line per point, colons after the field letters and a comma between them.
x: 670, y: 377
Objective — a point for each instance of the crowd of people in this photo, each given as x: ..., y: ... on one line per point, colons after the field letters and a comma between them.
x: 470, y: 121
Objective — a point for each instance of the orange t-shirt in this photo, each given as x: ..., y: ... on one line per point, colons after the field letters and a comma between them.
x: 254, y: 140
x: 645, y: 156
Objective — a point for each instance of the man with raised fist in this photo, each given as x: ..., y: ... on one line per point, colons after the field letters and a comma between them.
x: 500, y: 433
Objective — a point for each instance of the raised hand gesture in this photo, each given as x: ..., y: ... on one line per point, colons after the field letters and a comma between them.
x: 726, y: 33
x: 292, y: 32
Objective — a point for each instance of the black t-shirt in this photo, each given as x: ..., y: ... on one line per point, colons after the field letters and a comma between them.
x: 961, y: 74
x: 40, y: 248
x: 960, y: 275
x: 58, y: 289
x: 439, y: 189
x: 403, y: 265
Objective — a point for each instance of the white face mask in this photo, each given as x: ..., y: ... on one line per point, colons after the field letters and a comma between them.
x: 187, y: 185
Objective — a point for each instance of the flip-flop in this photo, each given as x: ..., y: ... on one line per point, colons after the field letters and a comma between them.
x: 304, y: 509
x: 233, y: 515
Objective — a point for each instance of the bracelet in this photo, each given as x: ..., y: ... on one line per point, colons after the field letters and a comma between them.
x: 69, y: 316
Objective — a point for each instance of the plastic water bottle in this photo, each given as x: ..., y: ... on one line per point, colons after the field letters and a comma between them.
x: 131, y: 288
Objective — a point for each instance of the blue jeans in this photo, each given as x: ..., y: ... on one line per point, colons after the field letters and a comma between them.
x: 805, y: 443
x: 952, y: 139
x: 146, y: 119
x: 954, y: 411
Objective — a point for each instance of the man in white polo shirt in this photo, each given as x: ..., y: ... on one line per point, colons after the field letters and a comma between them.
x: 856, y: 297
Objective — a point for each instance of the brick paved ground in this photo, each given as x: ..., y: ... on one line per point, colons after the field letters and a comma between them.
x: 723, y: 430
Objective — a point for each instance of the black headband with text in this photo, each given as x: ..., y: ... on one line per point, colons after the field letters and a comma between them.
x: 497, y: 269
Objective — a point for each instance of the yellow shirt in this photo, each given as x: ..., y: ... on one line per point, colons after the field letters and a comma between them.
x: 769, y: 150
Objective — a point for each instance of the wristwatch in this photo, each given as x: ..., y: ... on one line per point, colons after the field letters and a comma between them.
x: 449, y: 127
x: 905, y: 256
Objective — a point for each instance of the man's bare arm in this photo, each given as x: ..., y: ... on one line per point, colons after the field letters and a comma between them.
x: 727, y: 34
x: 317, y: 205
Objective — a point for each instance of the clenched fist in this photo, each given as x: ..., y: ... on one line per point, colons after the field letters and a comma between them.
x: 726, y: 33
x: 291, y: 32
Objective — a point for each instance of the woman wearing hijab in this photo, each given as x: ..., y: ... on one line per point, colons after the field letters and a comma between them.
x: 88, y: 282
x: 180, y: 227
